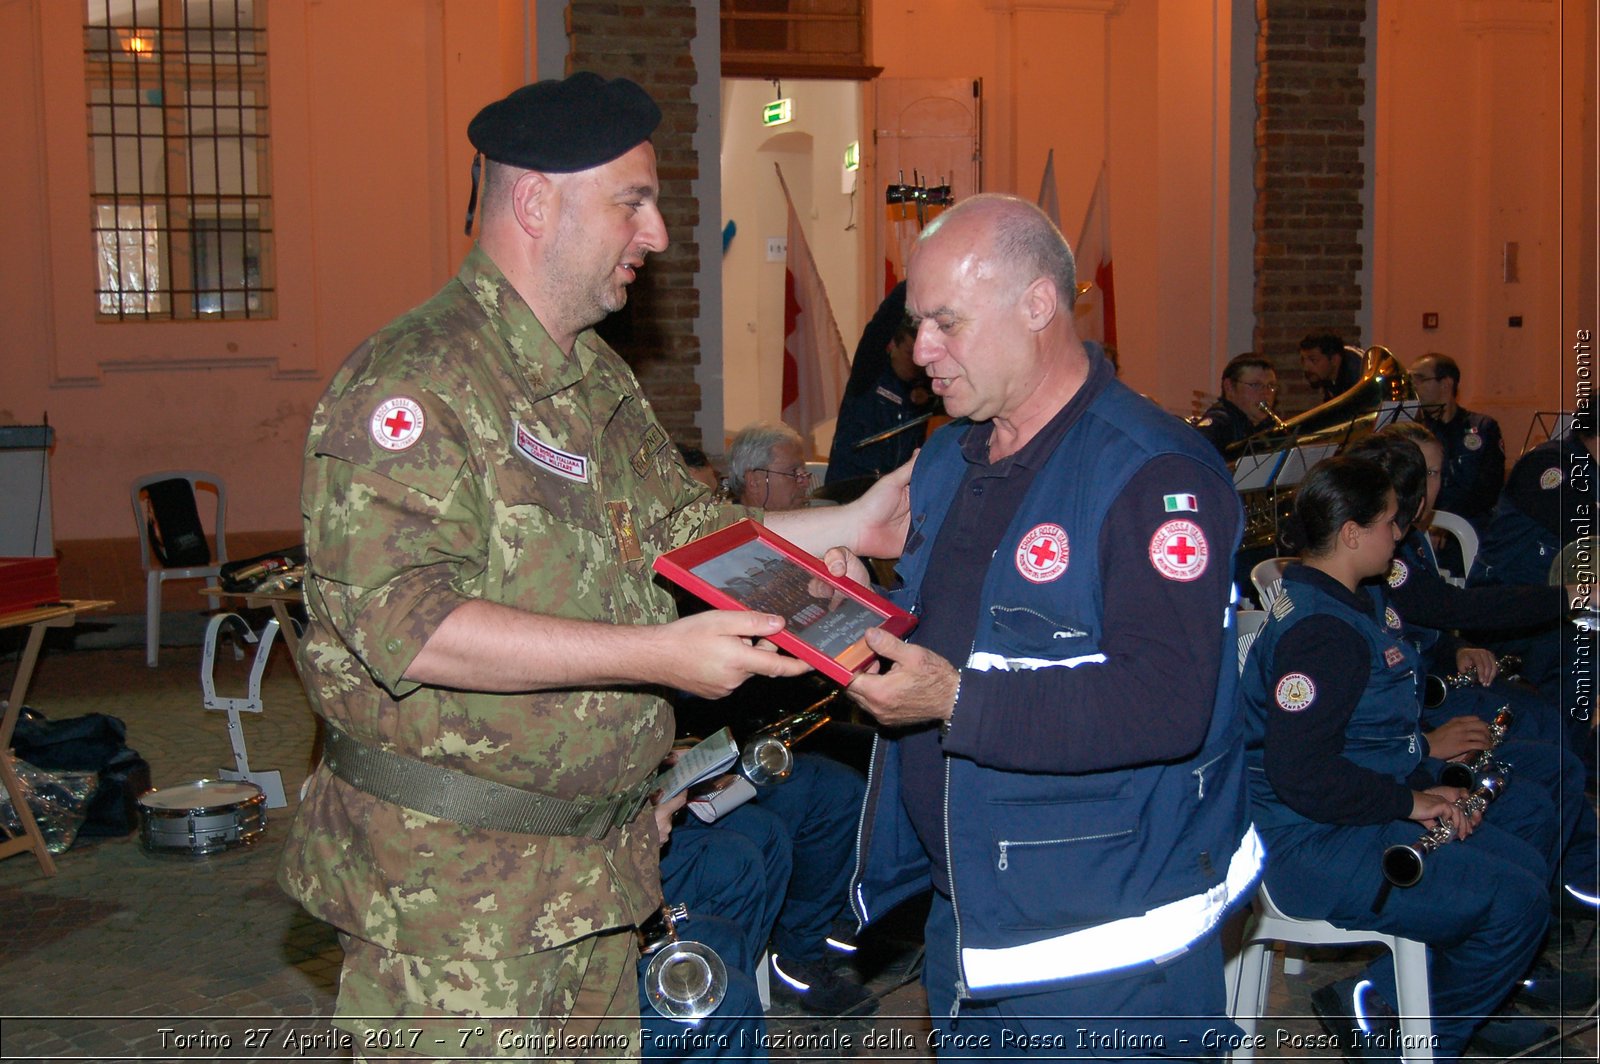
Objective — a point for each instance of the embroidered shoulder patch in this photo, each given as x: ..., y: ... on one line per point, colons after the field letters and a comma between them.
x: 1042, y: 554
x: 397, y: 423
x: 655, y: 438
x: 1295, y: 692
x: 1472, y: 441
x: 1550, y: 479
x: 1178, y: 551
x: 1393, y: 656
x: 1398, y: 573
x: 561, y: 463
x: 1391, y: 618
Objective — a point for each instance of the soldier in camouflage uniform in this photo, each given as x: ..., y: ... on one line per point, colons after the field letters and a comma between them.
x: 485, y: 487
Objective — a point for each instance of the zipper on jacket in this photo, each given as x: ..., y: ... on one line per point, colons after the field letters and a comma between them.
x: 857, y: 906
x: 1200, y: 777
x: 955, y: 913
x: 1006, y: 844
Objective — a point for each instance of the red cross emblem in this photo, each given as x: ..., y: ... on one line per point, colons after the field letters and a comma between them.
x: 397, y: 423
x: 1179, y: 551
x: 1042, y: 554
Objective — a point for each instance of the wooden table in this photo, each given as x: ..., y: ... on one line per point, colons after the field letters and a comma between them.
x: 36, y: 620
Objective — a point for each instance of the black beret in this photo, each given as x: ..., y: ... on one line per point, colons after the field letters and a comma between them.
x: 565, y: 126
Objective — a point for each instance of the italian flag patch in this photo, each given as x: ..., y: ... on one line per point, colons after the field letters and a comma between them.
x: 1177, y: 504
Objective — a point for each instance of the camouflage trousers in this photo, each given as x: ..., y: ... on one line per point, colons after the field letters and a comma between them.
x: 578, y: 1001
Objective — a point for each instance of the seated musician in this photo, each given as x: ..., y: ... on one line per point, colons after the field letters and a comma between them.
x: 1548, y: 502
x: 718, y: 879
x: 1340, y: 771
x: 817, y: 808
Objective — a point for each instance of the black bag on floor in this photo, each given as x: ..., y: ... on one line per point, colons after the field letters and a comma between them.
x: 96, y: 742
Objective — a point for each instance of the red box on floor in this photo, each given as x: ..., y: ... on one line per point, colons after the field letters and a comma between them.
x: 28, y: 582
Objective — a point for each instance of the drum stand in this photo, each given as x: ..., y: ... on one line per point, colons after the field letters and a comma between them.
x: 270, y: 782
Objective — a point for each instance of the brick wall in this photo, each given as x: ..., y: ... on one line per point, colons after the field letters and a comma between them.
x: 1308, y: 178
x: 648, y: 41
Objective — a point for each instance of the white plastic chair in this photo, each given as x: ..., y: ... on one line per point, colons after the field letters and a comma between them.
x: 156, y: 574
x: 1466, y: 537
x: 1250, y: 624
x: 1267, y: 576
x: 1249, y: 975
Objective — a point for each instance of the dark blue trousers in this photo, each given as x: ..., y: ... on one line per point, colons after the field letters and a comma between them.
x: 1482, y: 905
x: 738, y: 874
x: 818, y: 807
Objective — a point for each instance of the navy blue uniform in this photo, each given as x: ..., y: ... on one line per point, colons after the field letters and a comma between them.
x: 866, y: 413
x: 1330, y: 696
x: 1474, y: 465
x: 1223, y: 423
x: 1083, y: 820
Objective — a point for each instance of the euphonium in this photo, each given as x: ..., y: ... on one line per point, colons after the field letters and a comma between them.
x: 685, y: 980
x: 769, y: 755
x: 1402, y: 865
x: 1466, y: 774
x: 1436, y: 689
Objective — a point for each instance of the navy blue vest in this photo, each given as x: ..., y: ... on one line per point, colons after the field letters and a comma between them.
x: 1034, y: 856
x: 1382, y: 733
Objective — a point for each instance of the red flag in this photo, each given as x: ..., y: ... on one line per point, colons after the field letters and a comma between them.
x: 1096, y: 310
x: 814, y: 363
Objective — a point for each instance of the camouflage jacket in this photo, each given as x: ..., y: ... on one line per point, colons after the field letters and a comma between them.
x: 460, y: 454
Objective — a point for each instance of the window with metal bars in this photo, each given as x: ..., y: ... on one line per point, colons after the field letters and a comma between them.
x: 177, y: 109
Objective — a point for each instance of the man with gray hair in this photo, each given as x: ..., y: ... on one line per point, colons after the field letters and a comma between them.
x: 767, y: 468
x: 1062, y: 755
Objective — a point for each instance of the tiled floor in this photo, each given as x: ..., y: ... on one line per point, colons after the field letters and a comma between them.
x: 125, y: 955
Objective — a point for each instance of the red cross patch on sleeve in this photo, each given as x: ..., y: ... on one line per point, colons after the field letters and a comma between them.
x: 397, y: 423
x: 1178, y: 551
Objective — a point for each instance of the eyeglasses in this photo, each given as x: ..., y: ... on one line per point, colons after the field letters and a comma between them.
x: 799, y: 476
x: 1258, y: 386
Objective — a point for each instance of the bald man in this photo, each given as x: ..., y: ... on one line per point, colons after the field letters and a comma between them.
x: 1062, y: 761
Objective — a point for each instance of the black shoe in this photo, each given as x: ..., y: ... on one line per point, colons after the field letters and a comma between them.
x: 1363, y: 1024
x: 1547, y: 988
x: 842, y: 937
x: 819, y: 989
x: 1509, y: 1032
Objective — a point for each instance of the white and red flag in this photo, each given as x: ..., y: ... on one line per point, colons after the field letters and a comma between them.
x: 1096, y: 310
x: 814, y: 364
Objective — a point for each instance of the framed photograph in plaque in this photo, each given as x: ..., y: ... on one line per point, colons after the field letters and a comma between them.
x: 746, y: 566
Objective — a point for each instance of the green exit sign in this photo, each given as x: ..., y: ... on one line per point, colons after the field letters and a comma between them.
x: 777, y: 112
x: 852, y: 155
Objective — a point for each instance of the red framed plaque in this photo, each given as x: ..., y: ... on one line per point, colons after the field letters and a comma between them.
x: 746, y: 566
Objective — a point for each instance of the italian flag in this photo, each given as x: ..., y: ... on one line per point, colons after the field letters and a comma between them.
x: 1180, y: 504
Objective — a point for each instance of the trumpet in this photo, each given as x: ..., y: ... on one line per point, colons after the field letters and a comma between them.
x: 769, y: 755
x: 685, y: 980
x: 1272, y: 415
x: 1403, y: 865
x: 1466, y: 774
x: 1436, y: 689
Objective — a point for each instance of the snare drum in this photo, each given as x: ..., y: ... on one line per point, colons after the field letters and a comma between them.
x: 203, y: 817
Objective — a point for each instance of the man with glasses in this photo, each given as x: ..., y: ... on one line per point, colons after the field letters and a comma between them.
x: 1474, y: 454
x: 1248, y: 382
x: 767, y: 468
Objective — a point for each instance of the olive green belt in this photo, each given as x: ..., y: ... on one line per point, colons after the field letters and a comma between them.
x: 473, y: 801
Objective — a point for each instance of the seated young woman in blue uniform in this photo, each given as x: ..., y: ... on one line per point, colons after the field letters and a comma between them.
x: 1340, y: 770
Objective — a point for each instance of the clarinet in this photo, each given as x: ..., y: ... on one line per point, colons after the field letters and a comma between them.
x: 1437, y: 688
x: 1403, y: 865
x: 1466, y: 774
